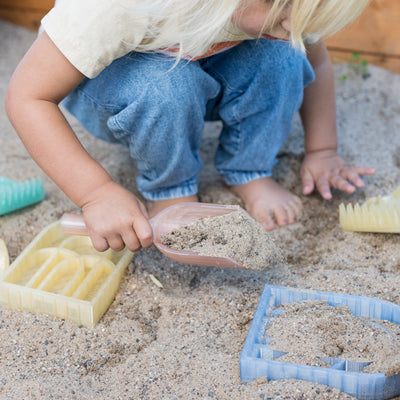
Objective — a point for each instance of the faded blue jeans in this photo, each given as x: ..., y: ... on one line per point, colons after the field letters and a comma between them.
x: 158, y: 112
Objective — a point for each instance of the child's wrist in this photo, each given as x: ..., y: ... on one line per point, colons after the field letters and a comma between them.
x: 325, y: 149
x: 94, y: 191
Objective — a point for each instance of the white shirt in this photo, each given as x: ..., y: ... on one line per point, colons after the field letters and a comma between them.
x: 93, y: 33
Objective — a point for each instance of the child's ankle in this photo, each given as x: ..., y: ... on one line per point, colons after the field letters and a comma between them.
x: 253, y: 189
x: 154, y: 207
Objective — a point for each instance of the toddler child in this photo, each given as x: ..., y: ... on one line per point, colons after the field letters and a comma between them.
x: 148, y: 73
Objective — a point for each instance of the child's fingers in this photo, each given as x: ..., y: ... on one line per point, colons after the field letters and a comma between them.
x: 137, y: 235
x: 116, y: 242
x: 352, y: 176
x: 131, y: 241
x: 323, y: 187
x: 308, y: 182
x: 341, y: 183
x: 143, y: 231
x: 143, y: 209
x: 99, y: 243
x: 364, y: 170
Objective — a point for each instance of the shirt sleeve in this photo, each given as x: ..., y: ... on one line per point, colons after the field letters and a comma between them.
x: 93, y: 33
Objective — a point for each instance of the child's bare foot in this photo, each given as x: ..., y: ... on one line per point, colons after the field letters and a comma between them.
x: 154, y: 207
x: 268, y: 202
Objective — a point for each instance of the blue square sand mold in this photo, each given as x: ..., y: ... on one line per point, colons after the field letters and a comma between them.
x: 259, y: 360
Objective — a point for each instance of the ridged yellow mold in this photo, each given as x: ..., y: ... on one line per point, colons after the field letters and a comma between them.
x: 4, y: 259
x: 377, y: 214
x: 63, y: 276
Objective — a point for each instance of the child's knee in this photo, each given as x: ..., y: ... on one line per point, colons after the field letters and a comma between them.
x: 156, y: 83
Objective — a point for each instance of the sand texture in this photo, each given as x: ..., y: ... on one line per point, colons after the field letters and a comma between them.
x: 183, y: 340
x: 235, y: 235
x: 314, y: 331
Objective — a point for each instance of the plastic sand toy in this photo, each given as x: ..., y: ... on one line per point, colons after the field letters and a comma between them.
x: 258, y: 359
x: 63, y: 276
x: 4, y: 259
x: 164, y: 222
x: 377, y: 214
x: 16, y: 195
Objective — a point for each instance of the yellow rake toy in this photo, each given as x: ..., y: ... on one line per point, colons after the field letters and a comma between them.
x: 377, y: 214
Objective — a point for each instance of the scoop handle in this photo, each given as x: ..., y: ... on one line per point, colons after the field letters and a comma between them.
x: 73, y: 224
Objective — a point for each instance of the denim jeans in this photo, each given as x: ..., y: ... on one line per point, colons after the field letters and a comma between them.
x: 158, y: 111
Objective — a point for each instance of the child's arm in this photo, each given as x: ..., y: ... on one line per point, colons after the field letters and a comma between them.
x: 322, y: 167
x: 114, y: 216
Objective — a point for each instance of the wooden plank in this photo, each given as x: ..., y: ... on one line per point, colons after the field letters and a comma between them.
x: 374, y: 35
x: 32, y: 4
x: 381, y: 60
x: 27, y: 13
x: 377, y: 31
x: 28, y: 19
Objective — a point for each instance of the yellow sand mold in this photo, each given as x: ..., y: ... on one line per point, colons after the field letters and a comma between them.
x: 4, y: 259
x: 63, y: 276
x: 377, y: 214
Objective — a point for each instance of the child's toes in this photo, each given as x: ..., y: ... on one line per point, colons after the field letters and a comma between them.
x: 267, y: 221
x: 268, y: 225
x: 282, y: 216
x: 288, y: 213
x: 296, y: 207
x: 291, y: 214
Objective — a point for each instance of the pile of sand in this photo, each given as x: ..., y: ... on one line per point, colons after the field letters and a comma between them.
x: 312, y: 331
x: 235, y: 235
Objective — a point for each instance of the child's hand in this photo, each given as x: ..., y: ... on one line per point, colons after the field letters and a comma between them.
x: 325, y: 169
x: 116, y: 218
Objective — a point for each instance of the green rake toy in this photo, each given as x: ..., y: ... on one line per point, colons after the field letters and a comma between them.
x: 16, y: 195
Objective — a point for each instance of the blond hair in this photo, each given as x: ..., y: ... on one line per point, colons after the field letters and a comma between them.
x: 322, y: 17
x: 192, y: 26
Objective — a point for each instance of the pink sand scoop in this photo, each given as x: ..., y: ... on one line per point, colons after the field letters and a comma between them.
x: 164, y: 222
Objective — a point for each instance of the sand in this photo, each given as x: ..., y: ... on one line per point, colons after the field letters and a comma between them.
x: 183, y: 341
x: 315, y: 331
x: 236, y: 235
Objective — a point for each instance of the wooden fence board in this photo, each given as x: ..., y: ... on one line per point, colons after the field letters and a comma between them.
x: 32, y: 4
x: 28, y: 18
x: 375, y: 36
x: 27, y: 13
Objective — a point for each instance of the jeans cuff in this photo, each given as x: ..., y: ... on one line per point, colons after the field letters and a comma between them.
x: 188, y: 188
x: 242, y: 177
